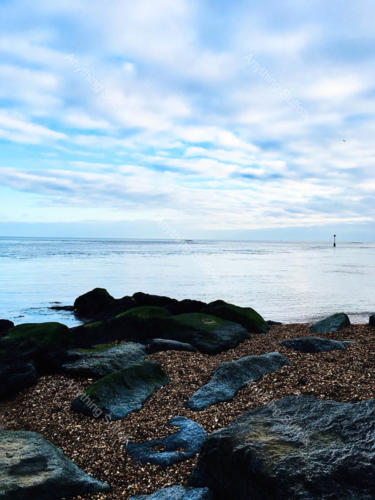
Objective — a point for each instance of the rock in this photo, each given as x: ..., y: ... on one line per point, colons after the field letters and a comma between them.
x: 298, y: 447
x: 122, y: 392
x: 245, y: 316
x: 103, y: 360
x: 372, y: 320
x: 32, y: 468
x: 5, y: 325
x: 16, y: 375
x: 157, y: 345
x: 273, y: 323
x: 208, y: 334
x: 189, y: 438
x: 177, y: 493
x: 204, y: 332
x: 314, y: 344
x: 229, y: 377
x: 333, y: 323
x: 94, y: 302
x: 42, y: 343
x: 172, y: 305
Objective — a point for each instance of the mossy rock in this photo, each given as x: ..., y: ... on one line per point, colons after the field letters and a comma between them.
x: 120, y: 393
x: 245, y: 316
x: 93, y: 303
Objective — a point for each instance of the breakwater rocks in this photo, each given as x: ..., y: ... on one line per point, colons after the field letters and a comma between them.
x: 151, y: 392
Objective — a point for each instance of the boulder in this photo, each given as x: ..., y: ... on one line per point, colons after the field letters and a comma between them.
x: 372, y: 320
x: 175, y: 448
x: 245, y: 316
x: 93, y: 303
x: 32, y: 468
x: 122, y: 392
x: 5, y: 325
x: 157, y: 345
x: 314, y: 344
x: 333, y: 323
x: 177, y: 493
x: 103, y: 360
x: 204, y: 332
x: 42, y: 343
x: 298, y: 447
x: 172, y: 305
x: 16, y: 375
x: 229, y: 377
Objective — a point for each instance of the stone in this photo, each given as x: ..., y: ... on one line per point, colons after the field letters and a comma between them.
x: 314, y: 344
x: 298, y: 447
x: 333, y: 323
x: 189, y: 438
x: 177, y: 493
x: 157, y: 345
x: 32, y: 468
x: 229, y: 377
x: 172, y: 305
x: 120, y: 393
x: 5, y: 325
x: 16, y: 375
x: 94, y: 302
x: 103, y: 360
x: 372, y: 320
x: 245, y: 316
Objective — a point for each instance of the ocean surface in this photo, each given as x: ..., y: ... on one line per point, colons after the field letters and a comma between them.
x: 288, y: 282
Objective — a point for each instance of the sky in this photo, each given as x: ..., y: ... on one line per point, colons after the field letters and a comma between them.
x: 187, y: 119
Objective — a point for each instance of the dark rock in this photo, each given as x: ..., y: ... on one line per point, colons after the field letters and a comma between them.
x: 245, y: 316
x: 32, y: 468
x: 333, y: 323
x: 157, y: 345
x: 42, y: 343
x: 187, y: 306
x: 273, y: 323
x: 177, y: 493
x: 5, y: 325
x: 103, y: 360
x: 206, y: 333
x: 16, y: 375
x: 62, y: 308
x: 174, y: 306
x: 189, y: 438
x: 229, y: 377
x: 94, y: 302
x: 314, y: 344
x: 372, y: 320
x: 298, y: 447
x: 122, y: 392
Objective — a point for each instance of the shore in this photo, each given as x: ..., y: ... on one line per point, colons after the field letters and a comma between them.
x: 98, y: 446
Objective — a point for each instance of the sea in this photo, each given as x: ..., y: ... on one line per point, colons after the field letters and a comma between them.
x: 291, y: 282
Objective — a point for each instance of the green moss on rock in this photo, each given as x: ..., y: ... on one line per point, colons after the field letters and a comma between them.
x: 45, y: 335
x: 245, y: 316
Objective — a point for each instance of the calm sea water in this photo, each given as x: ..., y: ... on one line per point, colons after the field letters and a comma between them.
x: 288, y: 282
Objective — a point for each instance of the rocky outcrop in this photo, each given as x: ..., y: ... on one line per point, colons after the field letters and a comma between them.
x: 314, y: 344
x: 122, y: 392
x: 172, y: 305
x: 298, y: 447
x: 92, y: 303
x: 32, y: 468
x: 245, y: 316
x: 177, y: 493
x: 229, y: 377
x: 103, y: 360
x: 333, y: 323
x: 16, y: 375
x: 175, y: 448
x: 157, y: 345
x: 5, y: 325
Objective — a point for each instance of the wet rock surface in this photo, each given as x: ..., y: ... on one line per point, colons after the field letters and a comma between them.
x: 333, y: 323
x: 120, y: 393
x: 245, y: 316
x: 298, y: 447
x: 229, y: 377
x: 157, y: 345
x: 16, y: 375
x: 314, y: 344
x: 32, y: 468
x: 175, y: 448
x: 101, y: 361
x: 177, y: 493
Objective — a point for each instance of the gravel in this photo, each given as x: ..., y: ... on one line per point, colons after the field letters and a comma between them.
x: 98, y: 446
